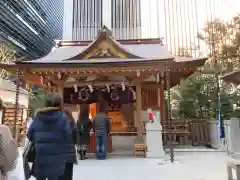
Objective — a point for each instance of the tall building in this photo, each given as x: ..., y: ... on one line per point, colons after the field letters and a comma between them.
x: 87, y: 19
x: 186, y: 18
x: 31, y: 26
x: 176, y: 21
x: 126, y: 19
x: 122, y: 16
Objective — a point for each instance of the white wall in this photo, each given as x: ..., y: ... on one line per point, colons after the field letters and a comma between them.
x: 232, y: 132
x: 68, y: 20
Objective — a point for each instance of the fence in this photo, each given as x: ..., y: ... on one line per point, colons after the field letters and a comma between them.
x: 232, y: 133
x: 206, y: 133
x: 193, y: 132
x: 198, y: 132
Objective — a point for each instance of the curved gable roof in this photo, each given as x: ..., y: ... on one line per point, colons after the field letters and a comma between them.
x: 105, y: 34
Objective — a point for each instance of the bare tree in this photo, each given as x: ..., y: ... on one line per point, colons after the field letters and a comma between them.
x: 7, y: 56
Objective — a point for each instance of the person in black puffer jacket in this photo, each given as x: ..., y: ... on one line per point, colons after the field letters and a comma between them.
x: 51, y: 135
x: 72, y: 158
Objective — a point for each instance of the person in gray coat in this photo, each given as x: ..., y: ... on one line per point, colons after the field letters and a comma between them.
x: 101, y: 129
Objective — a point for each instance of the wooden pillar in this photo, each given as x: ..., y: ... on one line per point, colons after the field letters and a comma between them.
x: 162, y: 100
x: 138, y: 110
x: 170, y: 127
x: 16, y: 112
x: 60, y: 93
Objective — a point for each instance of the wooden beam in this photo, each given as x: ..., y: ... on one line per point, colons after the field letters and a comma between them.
x: 103, y: 83
x: 141, y: 78
x: 60, y: 92
x: 96, y: 83
x: 89, y: 70
x: 58, y: 82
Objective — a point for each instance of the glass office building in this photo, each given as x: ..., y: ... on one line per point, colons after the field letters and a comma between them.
x: 31, y: 26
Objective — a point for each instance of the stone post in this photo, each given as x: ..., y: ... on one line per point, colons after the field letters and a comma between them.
x: 154, y: 139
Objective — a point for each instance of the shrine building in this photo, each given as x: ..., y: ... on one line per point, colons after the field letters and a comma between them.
x: 130, y: 76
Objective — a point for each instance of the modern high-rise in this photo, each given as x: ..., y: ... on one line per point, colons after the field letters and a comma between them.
x: 186, y: 18
x: 128, y: 19
x: 31, y: 26
x: 122, y: 16
x: 176, y: 21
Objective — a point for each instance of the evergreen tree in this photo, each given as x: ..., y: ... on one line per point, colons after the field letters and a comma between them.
x: 197, y: 96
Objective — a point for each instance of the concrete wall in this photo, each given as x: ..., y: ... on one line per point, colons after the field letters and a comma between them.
x: 232, y: 132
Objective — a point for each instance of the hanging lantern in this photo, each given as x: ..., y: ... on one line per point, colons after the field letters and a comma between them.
x: 75, y: 88
x: 138, y: 73
x: 59, y: 75
x: 158, y: 78
x: 123, y: 86
x: 90, y: 87
x: 108, y: 88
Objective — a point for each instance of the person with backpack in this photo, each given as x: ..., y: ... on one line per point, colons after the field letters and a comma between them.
x: 84, y: 126
x: 51, y: 135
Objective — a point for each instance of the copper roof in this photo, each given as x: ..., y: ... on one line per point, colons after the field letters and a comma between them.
x: 147, y: 52
x: 75, y: 50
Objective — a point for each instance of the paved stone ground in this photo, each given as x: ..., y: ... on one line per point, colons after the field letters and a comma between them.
x: 189, y: 166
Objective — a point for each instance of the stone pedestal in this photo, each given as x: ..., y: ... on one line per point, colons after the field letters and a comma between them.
x: 154, y: 139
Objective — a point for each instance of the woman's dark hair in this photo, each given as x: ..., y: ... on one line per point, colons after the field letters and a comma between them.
x: 84, y: 111
x: 69, y: 115
x: 53, y: 100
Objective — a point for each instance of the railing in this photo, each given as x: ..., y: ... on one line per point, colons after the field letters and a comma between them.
x: 199, y: 132
x: 187, y: 132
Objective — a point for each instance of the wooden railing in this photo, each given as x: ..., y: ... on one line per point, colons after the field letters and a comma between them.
x: 187, y: 132
x: 199, y: 133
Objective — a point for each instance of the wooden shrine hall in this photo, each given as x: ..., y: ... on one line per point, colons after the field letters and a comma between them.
x: 129, y: 75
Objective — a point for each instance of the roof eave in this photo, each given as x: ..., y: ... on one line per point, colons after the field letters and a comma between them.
x: 233, y: 77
